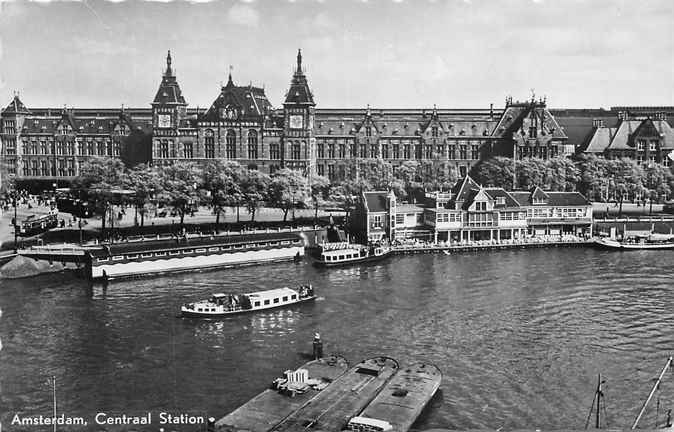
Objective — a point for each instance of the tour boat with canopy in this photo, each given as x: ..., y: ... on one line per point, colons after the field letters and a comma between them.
x: 652, y: 241
x: 224, y: 304
x: 350, y: 254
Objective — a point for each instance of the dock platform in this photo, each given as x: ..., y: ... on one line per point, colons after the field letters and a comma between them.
x: 404, y: 397
x: 270, y: 407
x: 347, y: 396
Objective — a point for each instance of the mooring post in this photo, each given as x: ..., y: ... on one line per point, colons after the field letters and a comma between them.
x: 318, y: 346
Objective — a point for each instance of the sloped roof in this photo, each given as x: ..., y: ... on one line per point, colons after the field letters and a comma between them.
x: 299, y: 92
x: 599, y: 140
x: 407, y: 124
x: 375, y: 202
x: 514, y: 115
x: 80, y: 125
x: 248, y: 101
x: 494, y: 193
x: 463, y: 188
x: 169, y: 91
x: 16, y: 107
x: 538, y: 194
x: 560, y: 199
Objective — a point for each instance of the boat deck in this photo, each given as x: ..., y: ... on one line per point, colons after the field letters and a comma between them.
x: 405, y: 396
x: 270, y: 407
x: 347, y: 396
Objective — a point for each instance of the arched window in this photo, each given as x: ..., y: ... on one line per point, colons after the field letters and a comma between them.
x: 230, y: 142
x: 252, y: 144
x: 209, y: 145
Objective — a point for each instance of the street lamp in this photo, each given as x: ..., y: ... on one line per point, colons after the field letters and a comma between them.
x: 16, y: 229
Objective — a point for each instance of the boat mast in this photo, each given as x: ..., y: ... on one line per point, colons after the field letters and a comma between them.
x: 650, y: 396
x: 599, y: 396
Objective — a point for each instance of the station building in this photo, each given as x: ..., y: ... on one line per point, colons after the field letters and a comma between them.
x: 470, y: 212
x: 241, y: 124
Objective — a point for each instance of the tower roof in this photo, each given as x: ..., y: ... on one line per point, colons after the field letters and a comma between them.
x: 299, y: 92
x: 169, y: 90
x: 16, y: 106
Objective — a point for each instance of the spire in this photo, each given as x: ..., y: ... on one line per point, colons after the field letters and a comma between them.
x: 299, y: 92
x: 169, y: 71
x: 230, y: 82
x: 299, y: 62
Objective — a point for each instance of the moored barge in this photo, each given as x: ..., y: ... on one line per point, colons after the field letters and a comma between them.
x: 653, y: 242
x: 397, y: 407
x: 143, y: 258
x: 270, y: 407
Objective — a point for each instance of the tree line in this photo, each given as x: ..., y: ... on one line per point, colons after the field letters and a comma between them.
x: 222, y: 184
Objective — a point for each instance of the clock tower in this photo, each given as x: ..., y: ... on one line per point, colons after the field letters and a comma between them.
x: 299, y: 143
x: 168, y: 110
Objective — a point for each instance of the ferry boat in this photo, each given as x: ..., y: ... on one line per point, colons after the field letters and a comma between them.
x: 350, y: 253
x: 653, y: 241
x: 221, y: 305
x: 145, y: 258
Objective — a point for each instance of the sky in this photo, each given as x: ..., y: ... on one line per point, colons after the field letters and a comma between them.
x: 385, y: 53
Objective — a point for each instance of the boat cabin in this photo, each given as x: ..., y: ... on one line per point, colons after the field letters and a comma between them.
x: 366, y: 424
x: 343, y: 255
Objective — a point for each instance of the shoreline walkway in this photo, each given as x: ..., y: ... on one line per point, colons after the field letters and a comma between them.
x: 474, y: 246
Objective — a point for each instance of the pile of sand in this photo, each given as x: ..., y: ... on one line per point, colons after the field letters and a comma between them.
x: 21, y: 267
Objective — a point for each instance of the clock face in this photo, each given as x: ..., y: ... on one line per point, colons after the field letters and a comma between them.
x: 296, y: 122
x: 164, y: 120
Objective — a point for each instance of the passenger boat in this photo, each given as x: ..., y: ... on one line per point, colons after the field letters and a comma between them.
x: 350, y: 253
x: 653, y: 241
x: 144, y: 258
x: 221, y: 305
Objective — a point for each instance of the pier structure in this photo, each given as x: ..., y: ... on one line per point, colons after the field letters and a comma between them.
x: 270, y: 407
x: 346, y: 397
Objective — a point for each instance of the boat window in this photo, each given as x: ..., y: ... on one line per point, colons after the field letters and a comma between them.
x: 200, y: 250
x: 239, y: 246
x: 200, y: 310
x: 273, y: 243
x: 285, y: 242
x: 213, y: 249
x: 276, y: 300
x: 293, y: 297
x: 132, y: 256
x: 225, y: 248
x: 146, y: 255
x: 266, y: 302
x: 118, y: 257
x: 257, y: 303
x: 262, y: 245
x: 101, y: 259
x: 187, y: 251
x: 160, y: 254
x: 341, y: 257
x: 285, y: 298
x: 174, y: 253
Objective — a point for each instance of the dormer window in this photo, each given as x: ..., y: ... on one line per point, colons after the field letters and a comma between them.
x: 641, y: 145
x: 538, y: 201
x: 434, y: 131
x: 500, y: 200
x: 368, y: 131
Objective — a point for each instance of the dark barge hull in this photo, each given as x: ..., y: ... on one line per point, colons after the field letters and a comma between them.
x: 201, y: 315
x: 405, y: 396
x: 269, y: 408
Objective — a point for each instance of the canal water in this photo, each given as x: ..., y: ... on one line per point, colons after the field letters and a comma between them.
x: 519, y: 335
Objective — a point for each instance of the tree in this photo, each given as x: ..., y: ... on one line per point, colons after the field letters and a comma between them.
x: 561, y: 174
x: 288, y: 187
x: 496, y: 171
x: 320, y: 187
x: 145, y: 181
x: 180, y: 187
x: 408, y: 174
x: 254, y: 187
x: 530, y: 172
x: 98, y: 177
x: 220, y: 181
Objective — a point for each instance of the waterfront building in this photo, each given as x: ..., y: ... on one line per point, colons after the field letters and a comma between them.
x: 470, y: 212
x: 647, y: 140
x: 242, y: 125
